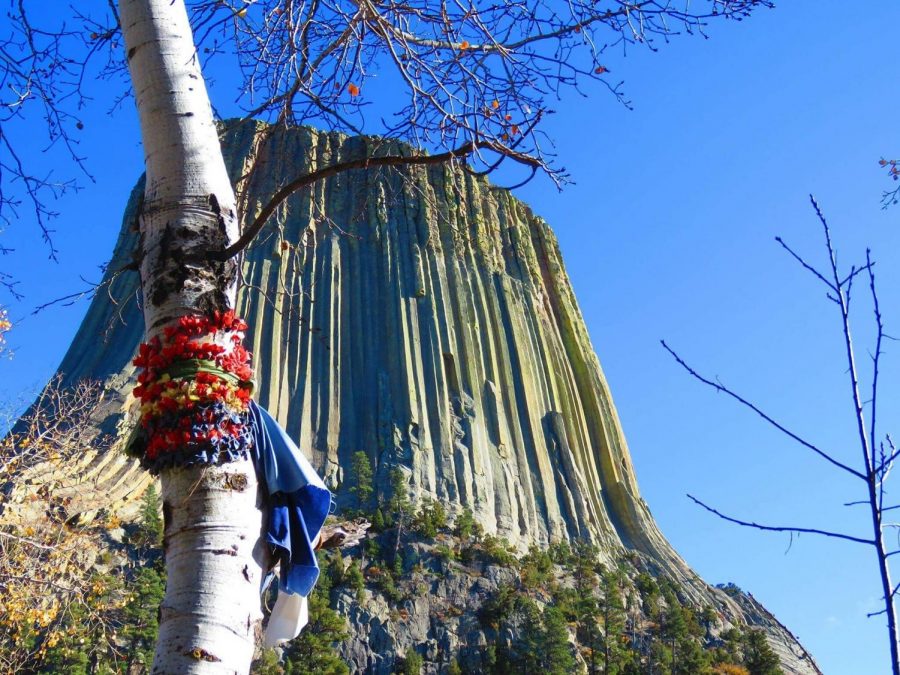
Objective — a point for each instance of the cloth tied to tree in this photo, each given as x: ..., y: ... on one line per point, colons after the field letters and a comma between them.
x: 297, y: 505
x: 194, y: 385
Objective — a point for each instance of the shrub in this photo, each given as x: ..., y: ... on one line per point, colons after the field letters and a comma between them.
x: 465, y: 523
x: 412, y: 663
x: 497, y: 550
x: 432, y: 518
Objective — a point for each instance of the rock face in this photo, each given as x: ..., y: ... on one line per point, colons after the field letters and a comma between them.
x: 425, y: 318
x: 439, y: 615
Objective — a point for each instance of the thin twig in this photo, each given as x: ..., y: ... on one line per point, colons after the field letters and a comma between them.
x: 772, y: 528
x: 722, y: 388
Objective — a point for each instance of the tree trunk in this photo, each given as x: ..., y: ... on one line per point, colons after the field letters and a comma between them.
x: 211, y: 611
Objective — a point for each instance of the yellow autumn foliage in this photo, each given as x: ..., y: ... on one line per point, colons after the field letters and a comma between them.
x: 51, y: 591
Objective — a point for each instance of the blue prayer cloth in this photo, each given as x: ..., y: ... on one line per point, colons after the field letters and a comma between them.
x: 297, y: 503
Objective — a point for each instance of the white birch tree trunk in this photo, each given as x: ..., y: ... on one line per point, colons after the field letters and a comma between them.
x: 211, y: 611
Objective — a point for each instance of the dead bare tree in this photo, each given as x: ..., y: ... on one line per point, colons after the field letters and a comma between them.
x: 877, y: 452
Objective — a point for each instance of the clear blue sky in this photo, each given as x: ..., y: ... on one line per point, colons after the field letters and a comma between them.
x: 669, y: 233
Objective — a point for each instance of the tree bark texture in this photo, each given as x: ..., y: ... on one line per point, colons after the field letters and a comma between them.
x: 211, y: 611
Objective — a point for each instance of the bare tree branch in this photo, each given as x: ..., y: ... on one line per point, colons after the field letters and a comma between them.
x: 806, y: 265
x: 722, y: 388
x: 475, y: 80
x: 887, y: 600
x: 890, y: 197
x: 308, y: 179
x: 771, y: 528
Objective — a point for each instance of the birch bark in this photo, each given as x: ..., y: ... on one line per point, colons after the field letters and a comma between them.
x: 211, y: 611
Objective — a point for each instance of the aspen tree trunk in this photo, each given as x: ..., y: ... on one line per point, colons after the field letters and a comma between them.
x: 211, y: 611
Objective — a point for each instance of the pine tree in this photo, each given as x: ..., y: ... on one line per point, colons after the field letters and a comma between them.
x: 525, y: 652
x: 759, y: 658
x: 354, y: 579
x: 589, y: 635
x: 149, y: 585
x: 431, y: 518
x: 586, y: 606
x: 362, y: 475
x: 142, y: 622
x: 556, y: 654
x: 312, y: 652
x: 613, y: 612
x: 398, y: 506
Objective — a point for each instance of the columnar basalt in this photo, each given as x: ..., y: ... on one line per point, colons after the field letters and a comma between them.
x: 424, y: 317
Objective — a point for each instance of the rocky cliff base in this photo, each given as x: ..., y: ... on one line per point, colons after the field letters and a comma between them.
x: 453, y: 600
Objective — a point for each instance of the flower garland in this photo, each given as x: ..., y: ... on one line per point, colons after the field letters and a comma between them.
x: 194, y: 394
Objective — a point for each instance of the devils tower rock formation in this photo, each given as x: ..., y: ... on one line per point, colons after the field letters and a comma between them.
x: 425, y: 318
